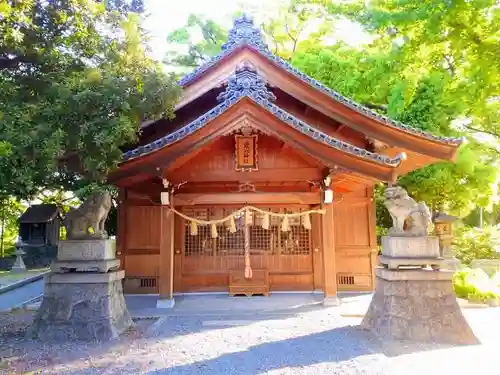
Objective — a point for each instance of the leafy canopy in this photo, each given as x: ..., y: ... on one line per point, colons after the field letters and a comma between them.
x: 75, y: 83
x: 430, y: 65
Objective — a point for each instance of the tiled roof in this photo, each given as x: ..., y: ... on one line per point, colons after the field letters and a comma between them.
x: 245, y: 33
x: 247, y: 83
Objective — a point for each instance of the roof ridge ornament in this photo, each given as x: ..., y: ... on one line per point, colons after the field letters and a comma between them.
x: 245, y: 82
x: 244, y: 32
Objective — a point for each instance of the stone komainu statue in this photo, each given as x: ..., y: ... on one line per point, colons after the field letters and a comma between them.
x: 92, y: 213
x: 409, y: 218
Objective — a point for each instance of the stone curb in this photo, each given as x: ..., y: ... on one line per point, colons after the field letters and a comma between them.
x: 23, y: 282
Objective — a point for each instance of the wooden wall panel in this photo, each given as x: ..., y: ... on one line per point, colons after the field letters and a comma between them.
x: 352, y: 224
x: 142, y: 265
x: 142, y: 249
x: 355, y: 241
x: 354, y: 262
x: 284, y: 282
x: 271, y: 154
x: 143, y: 227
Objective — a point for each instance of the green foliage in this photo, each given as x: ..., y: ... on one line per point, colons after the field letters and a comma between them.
x: 422, y: 92
x: 457, y: 187
x: 460, y: 37
x: 476, y: 243
x: 289, y: 28
x: 475, y: 285
x: 213, y: 36
x: 75, y: 83
x: 384, y: 221
x: 10, y: 211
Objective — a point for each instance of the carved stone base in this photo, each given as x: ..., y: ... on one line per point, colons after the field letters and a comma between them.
x: 331, y: 301
x: 410, y: 247
x: 78, y: 250
x: 417, y: 305
x: 82, y: 307
x: 395, y: 263
x: 165, y: 303
x: 86, y: 266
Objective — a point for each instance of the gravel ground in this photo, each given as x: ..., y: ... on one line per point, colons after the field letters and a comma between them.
x: 314, y: 342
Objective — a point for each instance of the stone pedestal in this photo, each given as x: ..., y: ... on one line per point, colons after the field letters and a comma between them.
x: 417, y: 305
x: 414, y: 252
x: 19, y: 266
x: 85, y: 250
x: 79, y: 304
x: 410, y: 247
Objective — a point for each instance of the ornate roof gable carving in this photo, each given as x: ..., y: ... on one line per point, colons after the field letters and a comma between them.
x: 244, y: 32
x: 247, y: 83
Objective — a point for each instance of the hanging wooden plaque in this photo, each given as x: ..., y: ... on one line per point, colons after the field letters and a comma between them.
x: 246, y: 152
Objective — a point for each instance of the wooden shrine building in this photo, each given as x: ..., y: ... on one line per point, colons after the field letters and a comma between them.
x: 251, y: 130
x: 40, y: 224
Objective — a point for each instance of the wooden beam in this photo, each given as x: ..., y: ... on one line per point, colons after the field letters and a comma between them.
x: 166, y: 268
x: 329, y: 261
x: 340, y: 128
x: 283, y: 174
x: 189, y: 199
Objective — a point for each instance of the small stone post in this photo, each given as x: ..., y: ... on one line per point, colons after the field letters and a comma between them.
x: 19, y: 265
x: 414, y: 298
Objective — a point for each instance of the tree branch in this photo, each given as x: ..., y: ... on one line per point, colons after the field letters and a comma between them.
x: 451, y: 66
x: 496, y: 135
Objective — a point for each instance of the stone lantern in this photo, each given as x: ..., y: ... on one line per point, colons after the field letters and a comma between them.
x: 443, y: 229
x: 19, y: 265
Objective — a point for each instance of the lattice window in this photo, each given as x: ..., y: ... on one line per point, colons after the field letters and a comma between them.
x: 201, y: 244
x: 230, y: 243
x: 271, y: 241
x: 295, y: 241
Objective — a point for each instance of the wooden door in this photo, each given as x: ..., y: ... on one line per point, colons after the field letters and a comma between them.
x: 205, y: 262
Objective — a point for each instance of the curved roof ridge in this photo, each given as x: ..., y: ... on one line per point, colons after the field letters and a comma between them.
x: 244, y: 33
x: 247, y: 83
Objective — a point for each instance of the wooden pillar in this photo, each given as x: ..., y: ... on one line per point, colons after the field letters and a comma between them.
x: 316, y: 244
x: 372, y: 228
x: 329, y: 266
x: 121, y: 227
x: 167, y: 231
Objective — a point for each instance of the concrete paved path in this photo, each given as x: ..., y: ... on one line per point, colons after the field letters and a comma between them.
x: 20, y: 295
x: 220, y: 304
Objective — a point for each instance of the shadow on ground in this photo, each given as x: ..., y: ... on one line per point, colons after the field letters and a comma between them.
x: 143, y: 349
